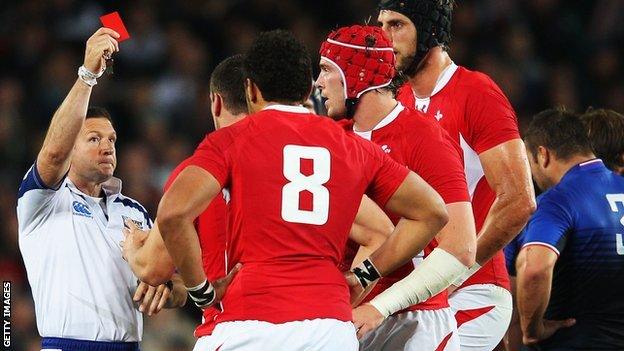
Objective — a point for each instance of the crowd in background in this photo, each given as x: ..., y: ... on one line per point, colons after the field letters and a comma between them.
x: 542, y: 53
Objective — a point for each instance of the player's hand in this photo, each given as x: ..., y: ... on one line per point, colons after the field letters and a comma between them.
x: 366, y: 318
x: 358, y: 293
x: 134, y: 238
x: 546, y: 329
x: 100, y: 46
x: 152, y: 299
x: 220, y: 285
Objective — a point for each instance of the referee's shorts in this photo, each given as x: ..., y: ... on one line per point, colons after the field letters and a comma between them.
x: 62, y: 344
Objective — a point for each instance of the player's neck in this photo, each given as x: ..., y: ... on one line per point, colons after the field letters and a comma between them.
x: 425, y: 79
x: 373, y: 107
x: 562, y: 167
x: 88, y: 187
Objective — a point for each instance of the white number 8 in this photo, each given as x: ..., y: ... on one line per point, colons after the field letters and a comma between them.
x: 299, y: 182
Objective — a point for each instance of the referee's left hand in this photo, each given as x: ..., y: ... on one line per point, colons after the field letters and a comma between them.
x: 152, y: 299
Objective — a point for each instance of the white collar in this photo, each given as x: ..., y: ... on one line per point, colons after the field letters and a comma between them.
x: 444, y: 78
x: 287, y: 108
x: 110, y: 187
x: 388, y: 119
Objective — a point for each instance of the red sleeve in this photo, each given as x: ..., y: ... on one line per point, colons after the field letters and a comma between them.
x: 437, y: 159
x: 213, y: 155
x: 389, y: 176
x: 491, y: 119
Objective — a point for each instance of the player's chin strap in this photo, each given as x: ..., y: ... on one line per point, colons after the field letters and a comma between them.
x: 436, y: 273
x: 351, y: 104
x: 203, y: 295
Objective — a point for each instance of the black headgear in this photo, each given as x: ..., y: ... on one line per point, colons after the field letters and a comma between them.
x: 432, y: 19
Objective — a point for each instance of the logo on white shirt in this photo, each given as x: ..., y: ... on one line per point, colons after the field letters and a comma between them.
x: 81, y: 209
x: 386, y: 148
x: 139, y: 224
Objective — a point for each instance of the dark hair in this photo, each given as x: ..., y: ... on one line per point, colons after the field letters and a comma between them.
x: 228, y: 80
x: 560, y: 131
x: 605, y: 129
x: 99, y: 112
x: 279, y: 64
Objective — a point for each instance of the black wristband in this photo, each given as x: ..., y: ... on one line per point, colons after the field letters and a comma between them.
x: 366, y: 273
x: 202, y: 295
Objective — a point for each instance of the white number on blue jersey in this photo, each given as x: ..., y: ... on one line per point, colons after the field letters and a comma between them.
x: 299, y: 182
x: 613, y: 201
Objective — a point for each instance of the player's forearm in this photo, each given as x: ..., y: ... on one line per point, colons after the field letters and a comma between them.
x: 458, y: 237
x: 367, y: 249
x: 533, y: 293
x: 182, y: 243
x: 507, y: 216
x: 53, y: 160
x: 408, y: 239
x: 151, y: 263
x: 436, y: 273
x: 370, y: 230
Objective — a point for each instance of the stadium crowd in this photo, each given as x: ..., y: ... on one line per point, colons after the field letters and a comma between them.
x: 542, y: 53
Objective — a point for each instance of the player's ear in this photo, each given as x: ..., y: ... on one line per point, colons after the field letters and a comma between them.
x: 543, y: 156
x: 251, y: 90
x: 217, y: 105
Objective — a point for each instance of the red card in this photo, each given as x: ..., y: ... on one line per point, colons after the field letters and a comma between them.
x: 114, y: 22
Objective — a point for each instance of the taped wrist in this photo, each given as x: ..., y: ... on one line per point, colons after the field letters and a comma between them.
x: 366, y: 273
x: 469, y: 272
x: 436, y: 273
x: 203, y: 295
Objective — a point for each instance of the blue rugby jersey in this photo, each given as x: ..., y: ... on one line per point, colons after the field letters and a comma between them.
x: 582, y: 220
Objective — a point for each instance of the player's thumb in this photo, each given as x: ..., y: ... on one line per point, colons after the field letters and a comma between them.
x: 233, y: 272
x: 564, y: 323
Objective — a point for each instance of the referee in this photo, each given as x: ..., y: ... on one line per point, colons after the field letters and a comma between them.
x: 70, y: 212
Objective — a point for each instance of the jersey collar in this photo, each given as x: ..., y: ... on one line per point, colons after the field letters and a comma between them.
x: 386, y: 120
x: 585, y: 166
x: 444, y: 78
x: 287, y: 108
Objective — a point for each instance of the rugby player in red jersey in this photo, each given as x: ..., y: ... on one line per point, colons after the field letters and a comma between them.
x: 476, y: 113
x: 356, y: 71
x: 296, y: 181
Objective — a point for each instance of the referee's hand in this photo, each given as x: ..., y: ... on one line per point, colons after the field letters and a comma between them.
x: 100, y: 46
x: 152, y: 299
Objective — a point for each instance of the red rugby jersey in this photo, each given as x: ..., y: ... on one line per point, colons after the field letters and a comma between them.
x: 211, y: 227
x: 296, y: 181
x: 417, y: 142
x: 476, y: 113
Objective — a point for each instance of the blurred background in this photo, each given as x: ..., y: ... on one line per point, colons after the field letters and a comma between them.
x: 541, y: 52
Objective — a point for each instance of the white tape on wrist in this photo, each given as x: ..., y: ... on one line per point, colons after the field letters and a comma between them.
x: 469, y: 272
x: 436, y: 273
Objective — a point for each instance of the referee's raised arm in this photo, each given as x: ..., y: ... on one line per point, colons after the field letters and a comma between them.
x: 54, y: 158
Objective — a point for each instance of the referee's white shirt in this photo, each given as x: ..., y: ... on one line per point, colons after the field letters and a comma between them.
x: 81, y: 285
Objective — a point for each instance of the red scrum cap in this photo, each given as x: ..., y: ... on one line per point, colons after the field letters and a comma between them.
x: 364, y: 57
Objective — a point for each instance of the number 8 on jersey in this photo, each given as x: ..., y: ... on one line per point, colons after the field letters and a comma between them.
x: 298, y: 182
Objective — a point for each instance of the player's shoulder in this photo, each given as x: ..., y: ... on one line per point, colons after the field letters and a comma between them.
x: 556, y: 196
x: 176, y: 171
x: 475, y: 82
x: 412, y: 117
x: 415, y: 124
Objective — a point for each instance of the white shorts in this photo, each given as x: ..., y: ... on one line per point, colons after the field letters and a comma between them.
x: 483, y: 313
x: 307, y: 335
x: 426, y: 330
